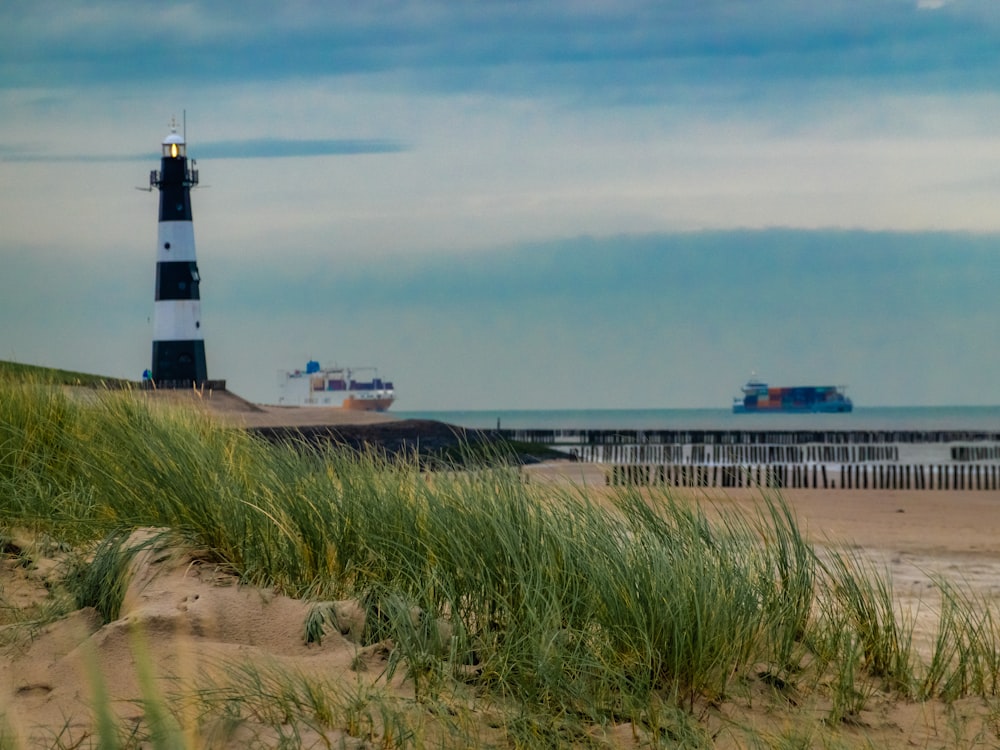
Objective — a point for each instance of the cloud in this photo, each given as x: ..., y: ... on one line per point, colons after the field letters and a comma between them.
x: 254, y: 148
x: 265, y: 148
x: 607, y: 52
x: 15, y: 155
x: 759, y: 269
x: 673, y: 319
x: 629, y: 321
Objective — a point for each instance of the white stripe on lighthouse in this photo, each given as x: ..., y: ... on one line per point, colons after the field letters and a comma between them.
x: 175, y: 241
x: 177, y: 320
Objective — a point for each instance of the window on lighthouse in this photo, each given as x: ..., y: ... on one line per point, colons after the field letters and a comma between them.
x: 173, y: 150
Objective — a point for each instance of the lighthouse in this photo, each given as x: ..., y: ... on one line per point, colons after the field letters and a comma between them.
x: 178, y: 343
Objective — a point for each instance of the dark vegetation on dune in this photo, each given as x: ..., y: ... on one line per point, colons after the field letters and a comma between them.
x: 434, y: 444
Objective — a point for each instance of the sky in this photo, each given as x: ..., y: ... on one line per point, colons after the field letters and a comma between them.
x: 517, y: 205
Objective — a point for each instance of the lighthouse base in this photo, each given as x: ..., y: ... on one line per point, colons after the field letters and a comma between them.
x: 179, y: 362
x: 184, y: 385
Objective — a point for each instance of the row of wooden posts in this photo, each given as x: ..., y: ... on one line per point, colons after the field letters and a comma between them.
x: 746, y: 437
x: 806, y: 476
x: 662, y: 453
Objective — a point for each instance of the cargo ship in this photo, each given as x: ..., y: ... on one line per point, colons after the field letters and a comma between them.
x: 758, y: 397
x: 338, y: 387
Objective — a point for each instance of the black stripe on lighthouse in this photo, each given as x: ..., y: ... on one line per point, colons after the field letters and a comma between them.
x: 179, y: 364
x: 177, y: 280
x: 175, y: 189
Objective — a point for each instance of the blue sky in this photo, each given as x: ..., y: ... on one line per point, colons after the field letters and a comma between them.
x: 514, y: 204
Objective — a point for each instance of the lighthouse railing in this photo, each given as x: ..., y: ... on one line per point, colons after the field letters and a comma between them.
x: 190, y: 178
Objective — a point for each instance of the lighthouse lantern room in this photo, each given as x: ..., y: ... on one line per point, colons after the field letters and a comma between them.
x: 178, y: 343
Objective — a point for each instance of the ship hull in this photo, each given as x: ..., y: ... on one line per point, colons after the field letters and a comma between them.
x: 366, y: 404
x: 814, y: 409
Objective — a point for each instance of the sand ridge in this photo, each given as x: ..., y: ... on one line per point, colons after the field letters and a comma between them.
x: 192, y: 621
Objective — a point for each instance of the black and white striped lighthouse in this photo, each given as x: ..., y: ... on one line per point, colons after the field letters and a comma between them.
x: 178, y: 343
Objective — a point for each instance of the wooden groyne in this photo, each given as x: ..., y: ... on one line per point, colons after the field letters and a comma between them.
x: 814, y: 459
x: 816, y: 476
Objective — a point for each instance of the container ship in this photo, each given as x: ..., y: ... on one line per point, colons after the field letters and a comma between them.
x: 338, y: 387
x: 758, y: 397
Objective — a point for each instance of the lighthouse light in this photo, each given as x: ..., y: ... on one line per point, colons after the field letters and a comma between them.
x: 173, y: 150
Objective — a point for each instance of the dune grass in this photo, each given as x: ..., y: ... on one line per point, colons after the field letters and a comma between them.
x: 54, y: 376
x: 566, y: 613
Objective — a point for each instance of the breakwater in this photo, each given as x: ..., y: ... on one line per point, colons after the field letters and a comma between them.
x: 815, y: 459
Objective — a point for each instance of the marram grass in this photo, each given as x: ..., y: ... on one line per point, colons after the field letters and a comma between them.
x: 563, y: 613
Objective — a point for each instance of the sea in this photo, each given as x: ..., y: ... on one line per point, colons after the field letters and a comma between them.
x: 888, y: 418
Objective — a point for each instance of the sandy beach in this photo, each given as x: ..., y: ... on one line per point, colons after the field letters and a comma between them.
x: 235, y: 411
x: 928, y: 522
x: 913, y: 534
